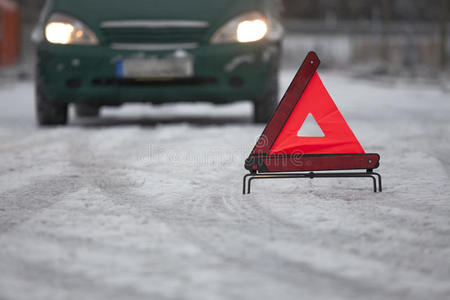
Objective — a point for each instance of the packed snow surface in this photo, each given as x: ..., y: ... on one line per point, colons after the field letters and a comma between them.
x: 146, y: 203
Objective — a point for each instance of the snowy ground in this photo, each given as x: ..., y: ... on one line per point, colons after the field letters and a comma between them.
x: 146, y: 203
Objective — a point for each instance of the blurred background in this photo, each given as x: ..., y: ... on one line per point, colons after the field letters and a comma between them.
x: 374, y: 37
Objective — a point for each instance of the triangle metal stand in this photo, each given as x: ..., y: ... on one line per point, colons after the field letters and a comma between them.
x: 247, y: 180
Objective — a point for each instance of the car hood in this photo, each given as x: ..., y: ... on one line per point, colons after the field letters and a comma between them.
x: 97, y: 11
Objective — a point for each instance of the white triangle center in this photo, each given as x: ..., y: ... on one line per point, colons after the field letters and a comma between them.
x: 310, y: 128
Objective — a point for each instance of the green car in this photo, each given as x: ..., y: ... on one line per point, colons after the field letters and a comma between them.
x: 110, y: 52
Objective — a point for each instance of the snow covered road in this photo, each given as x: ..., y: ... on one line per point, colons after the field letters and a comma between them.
x: 146, y: 203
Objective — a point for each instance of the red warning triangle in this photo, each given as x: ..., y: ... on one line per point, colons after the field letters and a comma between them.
x: 338, y: 139
x: 307, y: 95
x: 282, y: 151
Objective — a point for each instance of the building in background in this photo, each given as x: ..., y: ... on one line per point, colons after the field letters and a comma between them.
x: 392, y: 36
x: 9, y: 32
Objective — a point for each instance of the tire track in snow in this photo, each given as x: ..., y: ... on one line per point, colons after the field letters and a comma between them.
x: 19, y: 205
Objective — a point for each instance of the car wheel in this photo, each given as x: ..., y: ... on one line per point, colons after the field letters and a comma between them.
x: 264, y: 108
x: 86, y: 110
x: 49, y: 113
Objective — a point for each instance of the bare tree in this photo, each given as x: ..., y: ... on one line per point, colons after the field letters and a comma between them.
x: 386, y: 12
x: 444, y: 32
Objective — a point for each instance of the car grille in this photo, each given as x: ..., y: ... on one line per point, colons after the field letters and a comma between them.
x: 153, y: 35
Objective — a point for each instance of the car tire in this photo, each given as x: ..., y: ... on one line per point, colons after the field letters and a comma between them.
x: 264, y: 108
x: 49, y: 113
x: 86, y: 110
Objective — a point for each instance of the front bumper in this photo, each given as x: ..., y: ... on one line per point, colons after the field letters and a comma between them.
x: 223, y: 73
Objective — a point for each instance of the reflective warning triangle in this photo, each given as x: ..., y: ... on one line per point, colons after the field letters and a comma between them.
x: 282, y: 151
x: 307, y: 95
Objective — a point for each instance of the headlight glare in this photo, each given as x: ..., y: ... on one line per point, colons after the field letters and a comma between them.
x: 58, y: 33
x: 246, y: 28
x: 251, y: 31
x: 64, y: 29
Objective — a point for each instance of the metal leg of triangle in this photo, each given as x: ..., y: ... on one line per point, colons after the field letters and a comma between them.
x: 376, y: 178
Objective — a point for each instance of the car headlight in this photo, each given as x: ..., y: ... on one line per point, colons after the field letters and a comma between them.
x: 246, y: 28
x: 64, y: 29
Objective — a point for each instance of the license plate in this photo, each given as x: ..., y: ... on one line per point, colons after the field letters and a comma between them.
x: 155, y: 68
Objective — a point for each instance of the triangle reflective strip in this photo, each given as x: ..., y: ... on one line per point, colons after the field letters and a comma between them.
x: 310, y: 128
x: 287, y: 104
x: 338, y: 139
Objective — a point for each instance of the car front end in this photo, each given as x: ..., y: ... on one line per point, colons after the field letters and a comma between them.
x: 217, y: 52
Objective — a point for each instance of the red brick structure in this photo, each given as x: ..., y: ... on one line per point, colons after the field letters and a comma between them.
x: 9, y: 32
